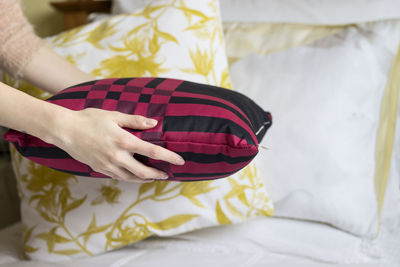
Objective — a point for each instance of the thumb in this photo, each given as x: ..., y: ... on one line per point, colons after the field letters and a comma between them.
x: 135, y: 121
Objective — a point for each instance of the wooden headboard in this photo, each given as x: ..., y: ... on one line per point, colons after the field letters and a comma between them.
x: 76, y: 12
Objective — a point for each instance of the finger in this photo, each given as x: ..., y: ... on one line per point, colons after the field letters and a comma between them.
x: 156, y: 152
x: 124, y: 175
x: 140, y: 170
x: 134, y: 121
x: 136, y: 145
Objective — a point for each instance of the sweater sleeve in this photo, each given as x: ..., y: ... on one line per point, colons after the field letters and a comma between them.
x: 18, y: 42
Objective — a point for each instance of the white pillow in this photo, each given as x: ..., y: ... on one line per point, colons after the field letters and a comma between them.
x: 326, y: 100
x: 296, y: 11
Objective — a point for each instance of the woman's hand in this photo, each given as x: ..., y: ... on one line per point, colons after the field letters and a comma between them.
x: 92, y: 136
x: 95, y: 137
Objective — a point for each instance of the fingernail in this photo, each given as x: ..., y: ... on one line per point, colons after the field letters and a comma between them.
x: 148, y: 181
x: 179, y: 161
x: 164, y: 176
x: 151, y: 122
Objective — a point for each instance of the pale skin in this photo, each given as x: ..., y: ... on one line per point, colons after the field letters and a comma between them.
x: 92, y: 136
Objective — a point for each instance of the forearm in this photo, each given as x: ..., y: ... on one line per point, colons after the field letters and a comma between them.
x: 25, y: 113
x: 92, y: 136
x: 51, y: 72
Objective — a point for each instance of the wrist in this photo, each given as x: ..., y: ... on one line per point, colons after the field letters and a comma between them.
x: 55, y: 125
x: 44, y: 120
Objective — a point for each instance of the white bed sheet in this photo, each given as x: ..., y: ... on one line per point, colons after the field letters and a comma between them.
x: 259, y: 242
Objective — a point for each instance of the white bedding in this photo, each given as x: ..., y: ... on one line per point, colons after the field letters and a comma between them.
x: 293, y: 11
x: 325, y: 98
x: 259, y: 242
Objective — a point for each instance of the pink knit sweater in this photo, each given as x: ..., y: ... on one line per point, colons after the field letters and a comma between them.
x: 18, y: 43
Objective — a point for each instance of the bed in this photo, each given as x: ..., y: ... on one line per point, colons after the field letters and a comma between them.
x: 337, y: 233
x: 278, y: 242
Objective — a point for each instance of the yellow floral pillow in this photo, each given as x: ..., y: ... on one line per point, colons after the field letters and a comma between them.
x: 66, y: 216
